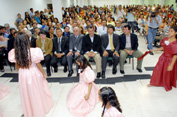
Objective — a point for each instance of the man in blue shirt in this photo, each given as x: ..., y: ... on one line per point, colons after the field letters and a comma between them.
x: 3, y: 30
x: 130, y: 18
x: 153, y: 24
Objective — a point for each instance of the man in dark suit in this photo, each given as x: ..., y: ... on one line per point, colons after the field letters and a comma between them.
x: 110, y: 48
x: 91, y: 47
x: 31, y: 38
x: 46, y: 46
x: 66, y: 32
x: 75, y: 46
x: 12, y: 30
x: 60, y: 50
x: 129, y: 46
x: 10, y: 44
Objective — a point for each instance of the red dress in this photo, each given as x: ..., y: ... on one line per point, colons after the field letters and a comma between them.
x: 160, y: 76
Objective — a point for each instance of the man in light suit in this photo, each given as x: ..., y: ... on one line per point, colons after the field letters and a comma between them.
x: 46, y: 46
x: 91, y: 47
x: 60, y: 50
x: 129, y: 46
x: 75, y: 47
x: 110, y: 48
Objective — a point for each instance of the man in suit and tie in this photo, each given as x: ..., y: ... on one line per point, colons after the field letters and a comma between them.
x: 91, y: 47
x: 31, y: 38
x: 75, y: 46
x: 110, y: 48
x: 60, y: 50
x: 46, y: 46
x: 129, y: 46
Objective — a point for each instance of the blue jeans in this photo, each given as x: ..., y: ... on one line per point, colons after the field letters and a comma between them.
x: 151, y: 37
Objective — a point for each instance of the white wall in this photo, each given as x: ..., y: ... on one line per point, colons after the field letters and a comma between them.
x: 10, y: 8
x: 110, y: 2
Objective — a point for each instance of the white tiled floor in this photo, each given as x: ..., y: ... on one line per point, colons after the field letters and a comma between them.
x: 136, y: 99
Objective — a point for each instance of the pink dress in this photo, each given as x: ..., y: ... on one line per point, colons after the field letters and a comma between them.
x: 112, y: 112
x: 36, y: 97
x: 76, y: 103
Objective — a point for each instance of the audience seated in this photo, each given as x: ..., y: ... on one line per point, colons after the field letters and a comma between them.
x: 46, y: 45
x: 60, y: 50
x: 129, y: 46
x: 75, y: 47
x: 91, y: 48
x: 110, y: 47
x: 77, y: 20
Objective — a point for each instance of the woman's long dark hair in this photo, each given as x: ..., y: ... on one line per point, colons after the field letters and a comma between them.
x: 82, y: 59
x: 22, y: 50
x: 107, y: 94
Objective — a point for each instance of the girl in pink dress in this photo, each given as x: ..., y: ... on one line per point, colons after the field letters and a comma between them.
x: 34, y: 91
x: 111, y: 106
x: 84, y: 96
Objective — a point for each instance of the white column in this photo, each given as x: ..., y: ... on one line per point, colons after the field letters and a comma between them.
x: 162, y: 2
x: 81, y: 3
x: 75, y: 3
x: 141, y: 2
x: 68, y: 3
x: 72, y: 2
x: 57, y: 5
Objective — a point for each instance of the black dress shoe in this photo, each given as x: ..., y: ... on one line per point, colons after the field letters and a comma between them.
x: 122, y: 72
x: 70, y: 73
x: 139, y: 70
x: 114, y: 71
x: 98, y: 75
x: 48, y: 74
x: 55, y: 70
x: 65, y: 69
x: 103, y: 75
x: 151, y: 53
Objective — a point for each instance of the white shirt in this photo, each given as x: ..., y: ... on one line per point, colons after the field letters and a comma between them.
x: 30, y: 39
x: 109, y: 45
x: 102, y: 30
x: 140, y: 21
x: 31, y: 14
x: 130, y: 17
x: 120, y: 13
x: 92, y: 39
x: 128, y: 42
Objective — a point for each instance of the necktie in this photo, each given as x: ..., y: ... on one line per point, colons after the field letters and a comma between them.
x: 59, y: 45
x: 111, y: 43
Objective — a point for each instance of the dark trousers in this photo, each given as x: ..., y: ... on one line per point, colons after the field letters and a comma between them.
x: 132, y: 26
x: 47, y: 60
x: 3, y: 55
x: 70, y: 61
x: 55, y: 60
x: 1, y: 62
x: 105, y: 59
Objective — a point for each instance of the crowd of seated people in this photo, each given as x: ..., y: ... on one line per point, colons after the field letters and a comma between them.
x: 95, y: 32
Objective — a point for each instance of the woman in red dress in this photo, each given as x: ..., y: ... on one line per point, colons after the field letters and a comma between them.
x: 165, y: 72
